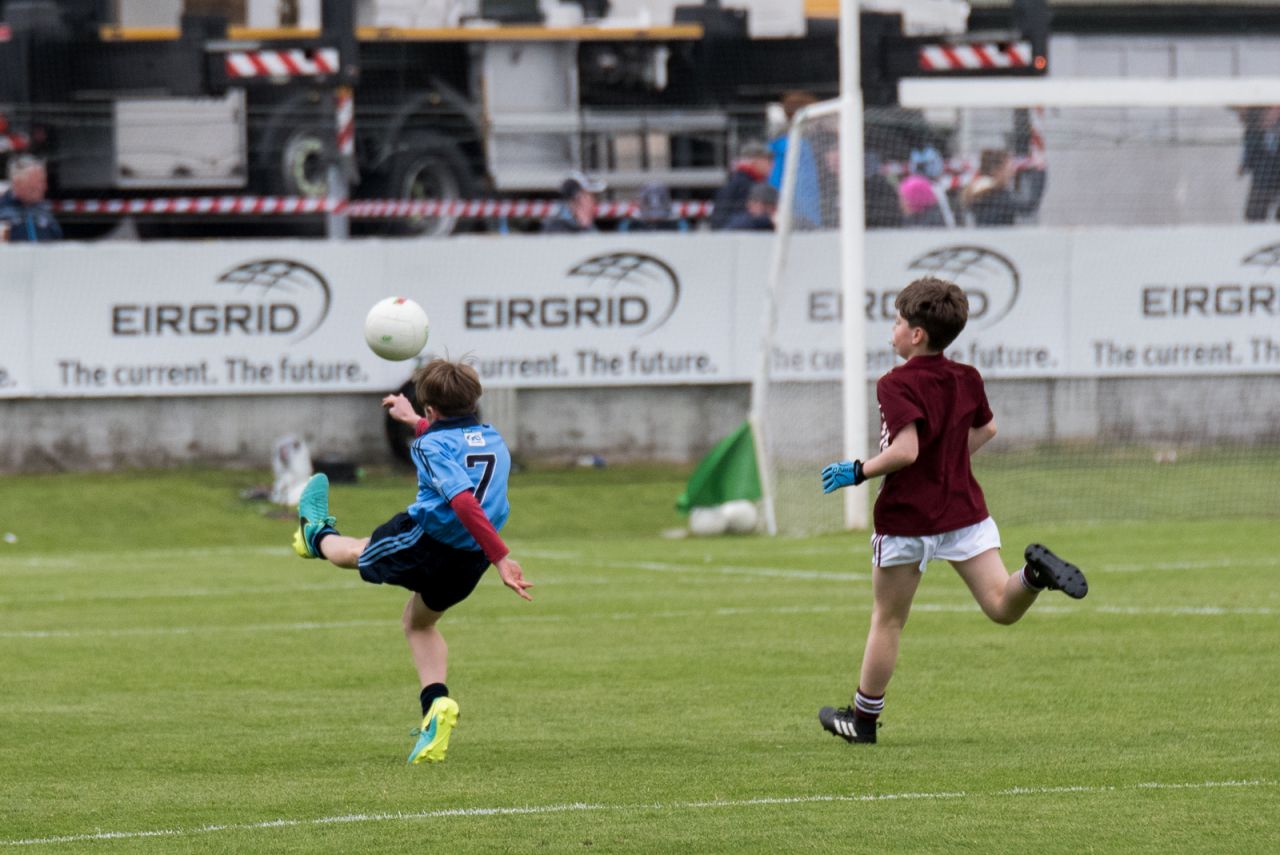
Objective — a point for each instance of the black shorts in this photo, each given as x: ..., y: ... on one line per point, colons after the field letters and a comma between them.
x: 401, y: 553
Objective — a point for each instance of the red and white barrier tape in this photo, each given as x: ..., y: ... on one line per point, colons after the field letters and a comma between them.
x: 357, y: 208
x: 244, y: 64
x: 197, y: 205
x: 345, y: 121
x: 975, y: 56
x: 12, y: 142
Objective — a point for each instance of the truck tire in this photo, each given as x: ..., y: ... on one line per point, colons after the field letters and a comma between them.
x: 301, y: 166
x: 290, y: 146
x: 426, y: 166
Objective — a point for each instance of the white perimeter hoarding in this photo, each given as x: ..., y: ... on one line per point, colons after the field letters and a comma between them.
x: 572, y: 311
x: 204, y: 319
x: 16, y: 334
x: 287, y: 316
x: 1016, y: 284
x: 1186, y: 301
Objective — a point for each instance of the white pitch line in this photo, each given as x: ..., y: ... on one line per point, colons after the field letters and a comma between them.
x: 693, y: 568
x: 1216, y: 564
x: 93, y: 560
x: 588, y: 807
x: 192, y: 630
x: 183, y: 593
x: 1165, y: 611
x: 310, y: 626
x: 670, y: 614
x: 1178, y: 611
x: 855, y: 557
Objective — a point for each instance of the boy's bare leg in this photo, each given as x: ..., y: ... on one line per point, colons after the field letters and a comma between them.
x: 894, y: 588
x: 1001, y: 595
x: 343, y: 551
x: 426, y: 644
x: 430, y: 658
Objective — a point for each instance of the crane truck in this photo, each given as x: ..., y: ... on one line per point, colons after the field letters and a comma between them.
x: 443, y: 99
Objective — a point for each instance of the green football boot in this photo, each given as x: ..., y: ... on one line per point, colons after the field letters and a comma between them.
x: 433, y: 738
x: 313, y: 517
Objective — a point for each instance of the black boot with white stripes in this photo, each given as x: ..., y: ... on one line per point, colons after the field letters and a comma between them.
x: 847, y: 724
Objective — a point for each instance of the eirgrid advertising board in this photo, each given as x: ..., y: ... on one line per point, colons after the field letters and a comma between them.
x: 281, y: 317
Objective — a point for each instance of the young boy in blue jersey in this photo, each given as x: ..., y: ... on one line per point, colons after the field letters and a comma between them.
x: 934, y: 416
x: 442, y: 544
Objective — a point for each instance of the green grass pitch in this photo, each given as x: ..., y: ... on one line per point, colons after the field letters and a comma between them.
x: 173, y: 679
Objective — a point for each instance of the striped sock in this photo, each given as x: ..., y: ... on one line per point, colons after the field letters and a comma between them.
x: 867, y: 706
x: 1030, y: 579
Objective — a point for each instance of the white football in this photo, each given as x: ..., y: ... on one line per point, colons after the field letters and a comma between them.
x: 707, y: 522
x: 396, y: 328
x: 741, y: 516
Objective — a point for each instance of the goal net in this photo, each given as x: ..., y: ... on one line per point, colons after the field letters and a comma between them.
x: 797, y: 405
x: 1124, y: 294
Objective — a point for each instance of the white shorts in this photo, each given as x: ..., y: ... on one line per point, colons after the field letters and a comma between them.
x: 889, y: 550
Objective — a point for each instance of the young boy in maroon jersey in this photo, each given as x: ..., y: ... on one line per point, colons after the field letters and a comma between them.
x: 933, y: 416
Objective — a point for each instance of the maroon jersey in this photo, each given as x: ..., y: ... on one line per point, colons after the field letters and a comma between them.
x: 938, y: 492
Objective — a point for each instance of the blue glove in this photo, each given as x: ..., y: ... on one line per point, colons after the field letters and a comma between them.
x: 847, y: 473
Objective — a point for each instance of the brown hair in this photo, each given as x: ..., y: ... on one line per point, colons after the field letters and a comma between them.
x: 992, y: 160
x: 990, y: 177
x: 453, y: 388
x: 937, y: 306
x: 796, y: 100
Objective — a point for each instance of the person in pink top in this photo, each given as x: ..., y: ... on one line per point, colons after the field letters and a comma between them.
x: 934, y: 416
x: 920, y: 206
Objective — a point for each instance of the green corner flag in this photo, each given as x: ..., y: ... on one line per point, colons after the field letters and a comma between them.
x: 728, y: 472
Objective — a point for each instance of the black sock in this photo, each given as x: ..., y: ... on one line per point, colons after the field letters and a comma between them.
x: 430, y: 693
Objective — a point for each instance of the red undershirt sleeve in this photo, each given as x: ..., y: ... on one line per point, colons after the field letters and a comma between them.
x: 477, y: 524
x: 421, y: 427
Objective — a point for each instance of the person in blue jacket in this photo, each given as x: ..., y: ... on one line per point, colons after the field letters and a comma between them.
x: 24, y: 213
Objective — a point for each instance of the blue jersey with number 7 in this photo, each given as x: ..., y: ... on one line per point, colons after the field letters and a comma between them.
x: 455, y: 455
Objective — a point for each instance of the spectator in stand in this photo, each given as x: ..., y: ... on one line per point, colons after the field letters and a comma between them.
x: 884, y: 209
x: 762, y: 205
x: 919, y: 203
x: 826, y: 149
x: 923, y: 202
x: 576, y: 213
x: 24, y: 213
x: 928, y: 161
x: 807, y: 207
x: 997, y: 196
x: 1261, y: 159
x: 653, y: 212
x: 752, y: 167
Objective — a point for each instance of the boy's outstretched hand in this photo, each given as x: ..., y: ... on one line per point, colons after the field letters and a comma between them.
x: 513, y: 577
x: 846, y: 473
x: 399, y: 408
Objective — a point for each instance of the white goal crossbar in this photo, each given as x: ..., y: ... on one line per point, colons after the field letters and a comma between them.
x: 1090, y: 92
